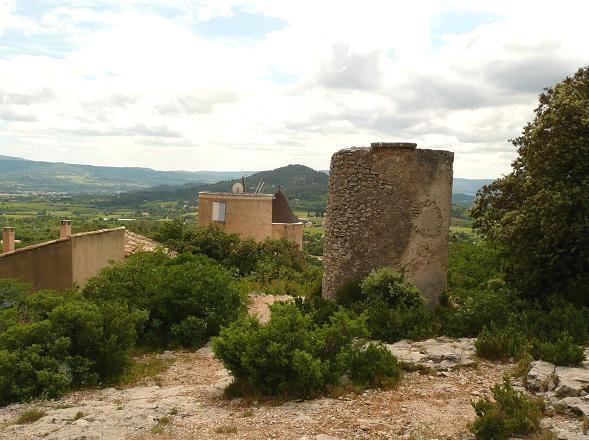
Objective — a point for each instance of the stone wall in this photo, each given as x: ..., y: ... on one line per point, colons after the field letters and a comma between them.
x: 389, y: 205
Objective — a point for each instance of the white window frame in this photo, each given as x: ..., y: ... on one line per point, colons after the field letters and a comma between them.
x: 219, y: 212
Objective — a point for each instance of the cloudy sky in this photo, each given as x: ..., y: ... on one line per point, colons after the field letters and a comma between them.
x: 250, y: 85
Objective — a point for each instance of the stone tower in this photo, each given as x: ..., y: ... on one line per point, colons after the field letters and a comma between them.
x: 389, y: 205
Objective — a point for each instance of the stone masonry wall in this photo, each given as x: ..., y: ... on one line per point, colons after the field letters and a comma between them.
x: 389, y: 205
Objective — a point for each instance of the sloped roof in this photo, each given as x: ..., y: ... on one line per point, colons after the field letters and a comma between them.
x: 281, y: 212
x: 135, y: 243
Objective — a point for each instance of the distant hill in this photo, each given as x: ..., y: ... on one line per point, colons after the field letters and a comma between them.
x: 114, y: 186
x: 469, y: 186
x: 462, y: 199
x: 305, y: 188
x: 21, y: 175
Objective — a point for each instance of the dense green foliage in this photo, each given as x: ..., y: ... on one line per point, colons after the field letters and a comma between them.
x: 480, y: 303
x: 313, y: 243
x: 272, y: 266
x: 188, y: 298
x: 511, y: 413
x: 477, y: 295
x: 394, y: 308
x: 540, y: 212
x: 556, y: 334
x: 51, y: 342
x: 296, y: 356
x: 268, y: 258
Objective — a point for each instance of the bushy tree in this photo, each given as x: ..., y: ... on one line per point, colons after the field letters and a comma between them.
x: 267, y: 260
x: 477, y: 293
x: 127, y: 281
x: 188, y: 298
x: 392, y: 287
x: 511, y: 413
x: 51, y: 342
x: 539, y: 212
x: 11, y: 291
x: 394, y: 307
x: 296, y: 356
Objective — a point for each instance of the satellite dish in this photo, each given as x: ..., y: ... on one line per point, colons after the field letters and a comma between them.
x: 237, y: 188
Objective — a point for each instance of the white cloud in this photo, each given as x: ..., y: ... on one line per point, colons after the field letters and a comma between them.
x: 139, y: 83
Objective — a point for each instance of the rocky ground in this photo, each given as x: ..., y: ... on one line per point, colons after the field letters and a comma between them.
x: 187, y: 402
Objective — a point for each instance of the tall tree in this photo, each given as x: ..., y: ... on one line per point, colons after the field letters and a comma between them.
x: 539, y: 212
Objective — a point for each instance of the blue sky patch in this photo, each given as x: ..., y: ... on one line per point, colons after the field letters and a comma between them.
x: 242, y: 24
x: 458, y: 22
x: 16, y: 42
x: 279, y: 77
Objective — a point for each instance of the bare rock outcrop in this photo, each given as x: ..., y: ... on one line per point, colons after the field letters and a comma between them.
x: 439, y: 354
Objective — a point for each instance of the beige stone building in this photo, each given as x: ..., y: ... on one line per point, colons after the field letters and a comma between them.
x: 389, y: 206
x: 251, y: 215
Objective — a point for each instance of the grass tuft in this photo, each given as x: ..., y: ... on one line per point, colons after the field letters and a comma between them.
x: 226, y: 429
x: 161, y: 425
x: 148, y: 366
x: 79, y: 415
x: 30, y: 416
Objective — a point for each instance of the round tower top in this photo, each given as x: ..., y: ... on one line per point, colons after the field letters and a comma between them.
x: 406, y: 145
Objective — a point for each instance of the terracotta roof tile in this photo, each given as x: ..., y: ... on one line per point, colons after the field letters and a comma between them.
x: 135, y: 243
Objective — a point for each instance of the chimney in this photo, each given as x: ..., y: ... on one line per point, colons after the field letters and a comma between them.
x: 65, y: 228
x: 7, y: 239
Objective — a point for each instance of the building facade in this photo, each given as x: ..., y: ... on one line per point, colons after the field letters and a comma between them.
x: 249, y: 215
x: 61, y: 264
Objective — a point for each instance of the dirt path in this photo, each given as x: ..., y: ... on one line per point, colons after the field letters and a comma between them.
x: 423, y: 406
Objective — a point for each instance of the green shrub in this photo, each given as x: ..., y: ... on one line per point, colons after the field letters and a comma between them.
x: 350, y: 292
x: 394, y: 308
x: 267, y: 260
x: 190, y: 332
x: 472, y: 264
x: 319, y: 309
x: 279, y: 259
x: 556, y: 317
x: 477, y: 296
x: 468, y: 311
x: 127, y: 281
x: 192, y: 287
x: 511, y: 413
x: 392, y: 287
x: 373, y: 365
x: 60, y: 341
x: 294, y: 356
x: 556, y: 335
x: 244, y: 256
x: 561, y: 352
x: 392, y: 324
x: 188, y: 298
x: 11, y: 291
x: 502, y: 343
x: 209, y: 240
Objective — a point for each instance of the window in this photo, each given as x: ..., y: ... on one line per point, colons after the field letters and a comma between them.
x: 219, y: 211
